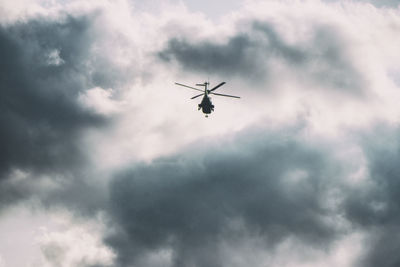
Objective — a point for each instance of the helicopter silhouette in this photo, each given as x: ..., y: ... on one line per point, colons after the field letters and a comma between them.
x: 206, y: 106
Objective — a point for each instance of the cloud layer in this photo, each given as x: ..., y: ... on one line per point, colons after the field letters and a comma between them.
x: 295, y: 173
x: 273, y: 187
x: 252, y: 55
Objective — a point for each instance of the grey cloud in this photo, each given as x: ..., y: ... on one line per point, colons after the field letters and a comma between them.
x: 374, y: 206
x: 321, y: 60
x: 45, y: 65
x: 54, y: 253
x: 80, y: 194
x: 40, y: 116
x: 274, y: 186
x: 234, y: 57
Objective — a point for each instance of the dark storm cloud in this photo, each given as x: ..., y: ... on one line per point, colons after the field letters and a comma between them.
x: 321, y: 60
x: 45, y: 65
x: 272, y: 185
x: 40, y: 117
x: 375, y: 206
x: 233, y: 57
x: 81, y: 194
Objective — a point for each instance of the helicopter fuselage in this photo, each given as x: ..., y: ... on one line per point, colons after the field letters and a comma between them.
x: 206, y: 106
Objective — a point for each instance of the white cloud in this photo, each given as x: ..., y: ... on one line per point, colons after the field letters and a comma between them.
x: 292, y: 253
x: 74, y: 244
x: 100, y: 100
x: 51, y: 238
x: 158, y: 117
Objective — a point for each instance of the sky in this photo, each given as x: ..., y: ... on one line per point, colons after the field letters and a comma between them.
x: 106, y: 162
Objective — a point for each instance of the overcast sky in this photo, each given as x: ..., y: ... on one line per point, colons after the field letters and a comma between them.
x: 104, y: 161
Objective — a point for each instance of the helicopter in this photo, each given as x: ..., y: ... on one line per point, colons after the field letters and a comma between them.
x: 206, y: 106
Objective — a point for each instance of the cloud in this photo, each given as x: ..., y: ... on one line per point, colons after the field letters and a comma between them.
x: 254, y: 54
x: 373, y: 205
x: 273, y: 186
x: 262, y: 192
x: 87, y: 93
x: 76, y: 245
x: 53, y: 237
x: 41, y: 118
x: 57, y: 83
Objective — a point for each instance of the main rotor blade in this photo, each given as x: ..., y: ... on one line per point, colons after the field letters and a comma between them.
x: 226, y: 95
x: 197, y: 96
x: 216, y: 87
x: 197, y: 89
